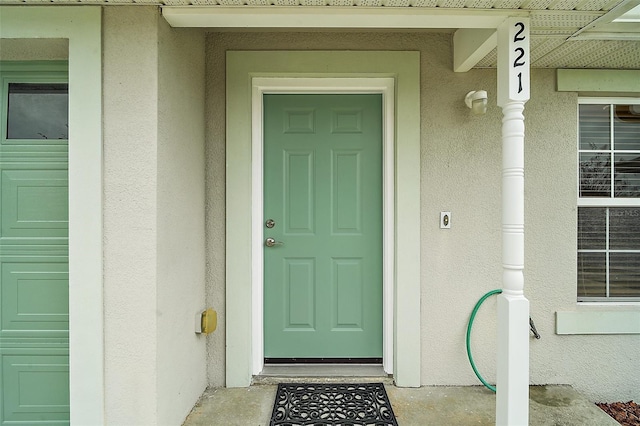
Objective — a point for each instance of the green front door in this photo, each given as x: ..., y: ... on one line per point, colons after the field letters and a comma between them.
x: 323, y: 209
x: 34, y: 272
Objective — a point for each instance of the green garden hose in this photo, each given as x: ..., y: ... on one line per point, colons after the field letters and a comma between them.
x: 473, y: 316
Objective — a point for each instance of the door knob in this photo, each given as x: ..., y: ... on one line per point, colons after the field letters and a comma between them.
x: 270, y: 242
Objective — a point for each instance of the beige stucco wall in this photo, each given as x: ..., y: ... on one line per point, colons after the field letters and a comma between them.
x: 130, y: 84
x: 461, y: 173
x: 181, y: 354
x: 153, y: 217
x: 215, y: 207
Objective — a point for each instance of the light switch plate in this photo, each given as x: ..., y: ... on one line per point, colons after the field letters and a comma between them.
x: 445, y: 220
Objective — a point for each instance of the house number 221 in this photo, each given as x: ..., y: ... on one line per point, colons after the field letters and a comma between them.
x: 519, y: 61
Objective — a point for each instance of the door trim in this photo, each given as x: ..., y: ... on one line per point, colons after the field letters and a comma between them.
x: 241, y: 67
x: 282, y: 85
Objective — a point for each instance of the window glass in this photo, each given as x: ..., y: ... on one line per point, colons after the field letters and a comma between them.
x: 624, y: 275
x: 595, y: 174
x: 592, y: 228
x: 38, y: 111
x: 624, y: 228
x: 592, y: 275
x: 627, y: 175
x: 595, y: 127
x: 626, y: 127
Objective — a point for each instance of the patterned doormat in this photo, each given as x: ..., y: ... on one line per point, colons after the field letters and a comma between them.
x: 363, y: 404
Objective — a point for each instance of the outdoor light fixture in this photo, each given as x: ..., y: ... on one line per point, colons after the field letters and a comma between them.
x: 477, y: 101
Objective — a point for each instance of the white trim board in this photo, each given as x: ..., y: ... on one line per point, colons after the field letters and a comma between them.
x: 597, y: 81
x: 598, y: 321
x: 242, y: 68
x: 332, y: 17
x: 263, y: 85
x: 82, y: 26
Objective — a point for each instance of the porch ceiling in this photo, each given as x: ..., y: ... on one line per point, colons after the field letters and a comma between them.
x: 564, y: 33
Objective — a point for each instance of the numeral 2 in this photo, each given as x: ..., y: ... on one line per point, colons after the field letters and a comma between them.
x: 518, y: 62
x: 518, y: 37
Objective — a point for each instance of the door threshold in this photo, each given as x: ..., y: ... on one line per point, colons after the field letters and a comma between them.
x: 322, y: 373
x: 357, y: 361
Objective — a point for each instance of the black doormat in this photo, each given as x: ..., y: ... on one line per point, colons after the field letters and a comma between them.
x: 344, y: 404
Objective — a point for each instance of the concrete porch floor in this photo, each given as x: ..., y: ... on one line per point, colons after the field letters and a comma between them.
x: 441, y: 406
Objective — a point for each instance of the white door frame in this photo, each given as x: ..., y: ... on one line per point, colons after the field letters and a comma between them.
x: 264, y: 85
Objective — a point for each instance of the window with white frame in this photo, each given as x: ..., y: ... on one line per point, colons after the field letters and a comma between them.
x: 609, y: 199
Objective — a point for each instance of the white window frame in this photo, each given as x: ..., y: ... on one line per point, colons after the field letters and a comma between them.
x: 603, y: 202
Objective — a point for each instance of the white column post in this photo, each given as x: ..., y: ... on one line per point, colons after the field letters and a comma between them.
x: 512, y: 399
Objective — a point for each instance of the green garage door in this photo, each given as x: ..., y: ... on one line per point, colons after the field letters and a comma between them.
x: 34, y: 275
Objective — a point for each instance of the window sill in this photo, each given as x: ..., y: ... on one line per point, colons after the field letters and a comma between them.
x: 599, y: 319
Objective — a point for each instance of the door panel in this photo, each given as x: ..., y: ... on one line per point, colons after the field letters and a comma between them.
x: 346, y: 194
x: 40, y: 388
x: 300, y: 292
x: 36, y: 295
x: 323, y: 189
x: 299, y: 190
x: 24, y: 193
x: 348, y: 288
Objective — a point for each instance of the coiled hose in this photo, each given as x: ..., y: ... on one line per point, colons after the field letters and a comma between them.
x: 532, y: 326
x: 471, y: 319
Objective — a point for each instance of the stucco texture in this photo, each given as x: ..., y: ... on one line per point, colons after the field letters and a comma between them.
x: 155, y: 364
x: 130, y: 205
x: 181, y: 353
x: 461, y: 173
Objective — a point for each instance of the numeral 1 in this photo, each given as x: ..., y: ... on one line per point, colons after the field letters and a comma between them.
x: 519, y: 82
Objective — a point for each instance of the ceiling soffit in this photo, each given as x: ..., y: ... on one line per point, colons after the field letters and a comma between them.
x: 564, y: 33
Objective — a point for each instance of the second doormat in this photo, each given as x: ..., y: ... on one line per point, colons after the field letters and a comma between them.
x: 344, y: 404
